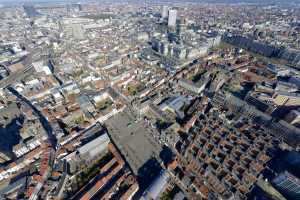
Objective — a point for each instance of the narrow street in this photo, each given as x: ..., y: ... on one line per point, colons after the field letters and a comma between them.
x: 46, y: 125
x: 51, y: 139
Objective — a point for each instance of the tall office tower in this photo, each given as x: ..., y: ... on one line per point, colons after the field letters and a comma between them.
x: 172, y: 18
x: 164, y: 13
x: 288, y: 185
x: 68, y: 8
x: 80, y: 7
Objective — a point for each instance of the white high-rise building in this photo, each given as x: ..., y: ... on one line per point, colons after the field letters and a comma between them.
x: 164, y: 12
x: 172, y: 18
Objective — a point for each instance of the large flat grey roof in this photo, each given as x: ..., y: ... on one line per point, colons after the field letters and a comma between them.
x: 133, y: 139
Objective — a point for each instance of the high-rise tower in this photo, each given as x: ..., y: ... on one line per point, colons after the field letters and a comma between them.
x: 172, y: 18
x: 164, y: 12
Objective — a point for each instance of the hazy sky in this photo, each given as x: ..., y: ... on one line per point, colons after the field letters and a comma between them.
x: 214, y: 1
x: 7, y: 1
x: 36, y: 1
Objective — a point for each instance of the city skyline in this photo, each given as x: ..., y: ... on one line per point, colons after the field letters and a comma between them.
x: 150, y: 100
